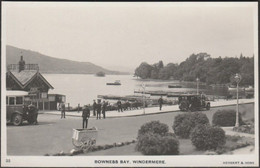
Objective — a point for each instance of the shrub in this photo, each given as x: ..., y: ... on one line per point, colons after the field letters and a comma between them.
x: 226, y: 118
x: 206, y: 137
x: 155, y: 144
x: 184, y: 123
x: 153, y: 127
x: 250, y: 129
x: 233, y: 138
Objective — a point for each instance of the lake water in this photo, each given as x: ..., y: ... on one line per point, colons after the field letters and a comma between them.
x: 83, y: 88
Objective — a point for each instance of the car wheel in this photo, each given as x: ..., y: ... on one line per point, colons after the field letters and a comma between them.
x: 17, y: 119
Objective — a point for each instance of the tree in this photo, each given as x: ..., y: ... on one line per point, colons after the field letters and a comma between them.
x: 160, y: 65
x: 144, y: 70
x: 210, y: 70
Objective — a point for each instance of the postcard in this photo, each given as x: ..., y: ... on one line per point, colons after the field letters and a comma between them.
x: 129, y: 84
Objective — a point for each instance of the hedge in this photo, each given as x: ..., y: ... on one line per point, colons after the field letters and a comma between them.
x: 226, y: 118
x: 206, y: 137
x: 155, y: 144
x: 250, y: 129
x: 184, y: 123
x: 154, y: 138
x: 153, y: 127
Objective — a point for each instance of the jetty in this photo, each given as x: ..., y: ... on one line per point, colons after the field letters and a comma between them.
x: 174, y: 86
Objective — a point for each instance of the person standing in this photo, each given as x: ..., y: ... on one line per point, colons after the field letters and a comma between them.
x: 94, y: 107
x: 104, y: 106
x: 99, y: 109
x: 33, y: 113
x: 85, y: 116
x: 119, y: 106
x: 63, y: 110
x: 160, y: 101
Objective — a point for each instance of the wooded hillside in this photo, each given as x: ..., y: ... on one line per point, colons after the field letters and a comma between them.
x: 209, y: 70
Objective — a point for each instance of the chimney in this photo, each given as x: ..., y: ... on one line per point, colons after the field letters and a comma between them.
x: 21, y: 64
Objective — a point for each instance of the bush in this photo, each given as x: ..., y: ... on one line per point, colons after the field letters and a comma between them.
x: 226, y: 118
x: 184, y: 123
x: 154, y: 127
x: 155, y: 144
x: 206, y: 137
x: 250, y: 129
x: 233, y: 138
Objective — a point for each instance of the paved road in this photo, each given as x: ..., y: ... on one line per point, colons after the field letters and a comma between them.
x: 54, y: 134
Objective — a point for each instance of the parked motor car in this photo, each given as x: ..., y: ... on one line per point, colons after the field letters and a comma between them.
x: 17, y: 110
x: 193, y: 102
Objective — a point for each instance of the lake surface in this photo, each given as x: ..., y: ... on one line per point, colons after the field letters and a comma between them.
x: 84, y: 88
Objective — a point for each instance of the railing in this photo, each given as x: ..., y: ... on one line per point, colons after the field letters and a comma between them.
x: 15, y: 67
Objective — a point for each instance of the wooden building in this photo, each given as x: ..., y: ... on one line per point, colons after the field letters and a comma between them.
x: 26, y: 77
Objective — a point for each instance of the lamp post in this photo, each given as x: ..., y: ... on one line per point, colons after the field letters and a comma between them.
x: 197, y: 79
x: 237, y: 79
x: 143, y: 86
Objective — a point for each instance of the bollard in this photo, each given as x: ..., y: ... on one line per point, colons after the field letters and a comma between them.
x: 68, y: 106
x: 78, y: 107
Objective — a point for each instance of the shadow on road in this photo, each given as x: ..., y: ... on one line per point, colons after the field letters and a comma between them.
x: 27, y: 124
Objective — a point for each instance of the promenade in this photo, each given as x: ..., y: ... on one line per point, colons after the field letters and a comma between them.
x: 55, y: 134
x: 152, y: 110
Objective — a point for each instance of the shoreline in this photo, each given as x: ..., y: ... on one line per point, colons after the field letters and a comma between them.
x: 151, y: 110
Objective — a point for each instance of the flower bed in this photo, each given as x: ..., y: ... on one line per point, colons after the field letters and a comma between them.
x: 92, y: 149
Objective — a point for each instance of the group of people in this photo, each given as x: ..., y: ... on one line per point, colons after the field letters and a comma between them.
x: 99, y: 107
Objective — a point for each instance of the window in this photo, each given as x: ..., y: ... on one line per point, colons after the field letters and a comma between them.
x: 63, y: 98
x: 44, y: 95
x: 11, y: 100
x: 19, y: 100
x: 51, y: 98
x: 6, y: 100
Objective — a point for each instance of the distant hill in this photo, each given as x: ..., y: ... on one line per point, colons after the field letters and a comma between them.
x: 49, y: 64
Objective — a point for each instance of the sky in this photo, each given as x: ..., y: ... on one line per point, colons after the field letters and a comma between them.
x: 126, y: 34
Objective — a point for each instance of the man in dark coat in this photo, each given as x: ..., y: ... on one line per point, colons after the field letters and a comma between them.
x: 63, y: 110
x: 85, y: 116
x: 94, y: 107
x: 160, y: 101
x: 98, y: 109
x: 104, y: 106
x: 33, y: 113
x: 119, y: 106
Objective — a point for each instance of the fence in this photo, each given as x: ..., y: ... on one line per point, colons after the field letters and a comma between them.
x: 15, y: 67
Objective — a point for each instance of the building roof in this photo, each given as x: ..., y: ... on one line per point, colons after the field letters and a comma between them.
x: 24, y: 77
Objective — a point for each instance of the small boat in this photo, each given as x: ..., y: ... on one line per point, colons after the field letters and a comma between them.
x: 117, y: 82
x: 174, y: 86
x: 158, y: 93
